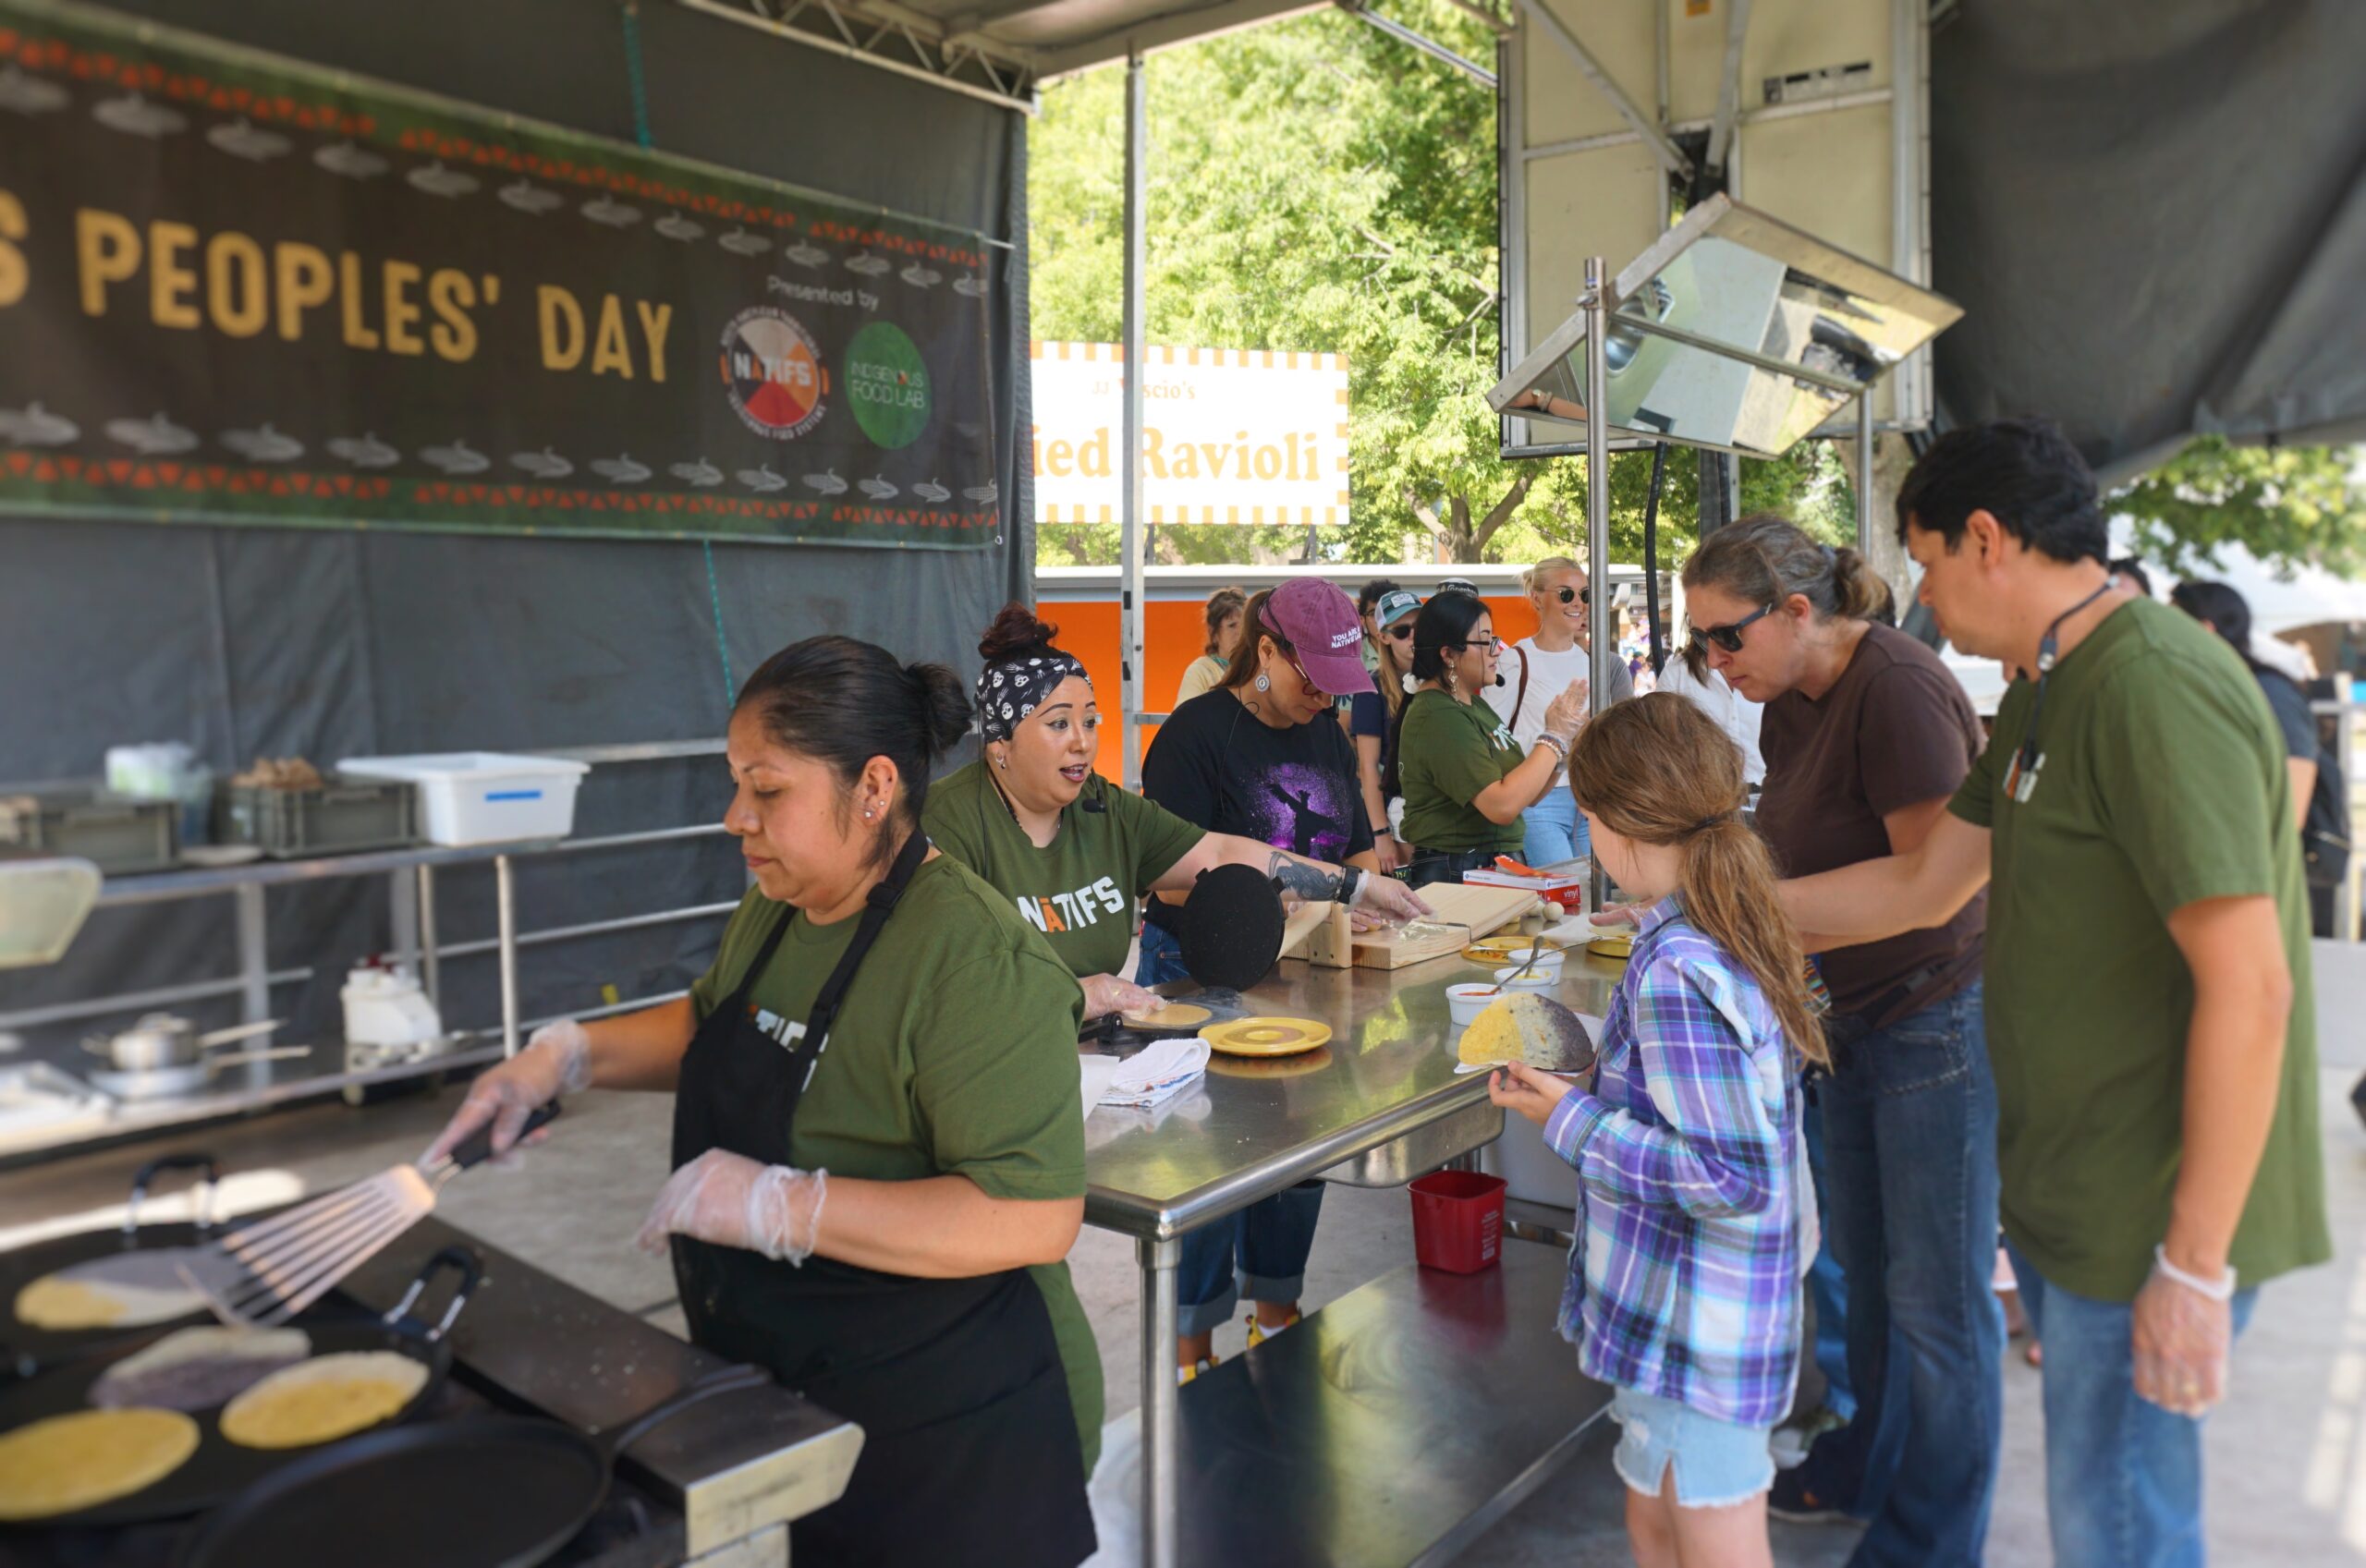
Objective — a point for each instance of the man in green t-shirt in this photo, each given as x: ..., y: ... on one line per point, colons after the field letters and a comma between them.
x: 2149, y: 1018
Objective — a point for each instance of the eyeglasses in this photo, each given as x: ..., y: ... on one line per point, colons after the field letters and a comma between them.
x: 1729, y: 636
x: 1568, y: 595
x: 1482, y: 643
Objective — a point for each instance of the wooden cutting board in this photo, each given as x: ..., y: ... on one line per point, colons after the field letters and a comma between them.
x: 1482, y: 909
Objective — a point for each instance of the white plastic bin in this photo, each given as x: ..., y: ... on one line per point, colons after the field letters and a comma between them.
x: 483, y: 796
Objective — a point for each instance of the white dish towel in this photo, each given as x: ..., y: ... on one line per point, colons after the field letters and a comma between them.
x: 1157, y: 1072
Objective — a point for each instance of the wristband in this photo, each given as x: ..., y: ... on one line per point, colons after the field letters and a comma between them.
x: 2219, y: 1289
x: 1560, y: 748
x: 1359, y: 885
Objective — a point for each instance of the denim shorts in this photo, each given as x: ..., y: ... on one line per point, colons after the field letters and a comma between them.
x: 1717, y: 1463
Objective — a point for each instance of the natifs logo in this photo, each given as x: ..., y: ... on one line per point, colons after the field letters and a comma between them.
x: 772, y: 374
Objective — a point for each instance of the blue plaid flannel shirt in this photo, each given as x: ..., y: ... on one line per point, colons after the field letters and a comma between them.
x: 1685, y: 1279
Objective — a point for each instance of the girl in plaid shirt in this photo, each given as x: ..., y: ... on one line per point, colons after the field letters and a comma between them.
x: 1683, y: 1290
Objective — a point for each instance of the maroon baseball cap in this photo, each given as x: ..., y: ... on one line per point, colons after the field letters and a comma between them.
x: 1322, y: 627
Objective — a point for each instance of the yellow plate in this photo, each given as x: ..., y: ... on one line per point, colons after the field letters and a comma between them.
x: 1174, y: 1016
x: 1613, y: 946
x: 1265, y: 1036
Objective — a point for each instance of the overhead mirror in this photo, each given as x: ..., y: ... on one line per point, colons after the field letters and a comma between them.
x: 1734, y: 331
x: 43, y: 904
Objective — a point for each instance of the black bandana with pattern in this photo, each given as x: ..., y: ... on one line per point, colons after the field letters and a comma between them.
x: 1013, y: 688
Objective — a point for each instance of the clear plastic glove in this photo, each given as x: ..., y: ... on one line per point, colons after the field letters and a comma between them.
x: 1107, y: 993
x: 731, y: 1200
x: 1620, y: 914
x: 1565, y: 714
x: 2181, y: 1339
x: 558, y: 1060
x: 1387, y: 900
x: 1517, y: 1087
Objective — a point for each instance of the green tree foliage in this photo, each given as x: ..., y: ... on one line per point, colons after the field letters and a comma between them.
x: 2289, y: 506
x: 1317, y: 187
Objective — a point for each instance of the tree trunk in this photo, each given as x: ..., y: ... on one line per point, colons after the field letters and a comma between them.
x: 1468, y: 538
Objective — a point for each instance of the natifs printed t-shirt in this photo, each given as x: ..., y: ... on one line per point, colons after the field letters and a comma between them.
x: 1447, y: 753
x: 1216, y: 764
x: 954, y: 1054
x: 2162, y: 784
x: 1081, y: 889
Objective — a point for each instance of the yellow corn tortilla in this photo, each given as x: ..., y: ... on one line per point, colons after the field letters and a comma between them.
x: 65, y: 1463
x: 1174, y: 1016
x: 324, y: 1399
x: 62, y: 1303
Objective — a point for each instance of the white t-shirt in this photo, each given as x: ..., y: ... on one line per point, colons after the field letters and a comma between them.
x: 1735, y: 713
x: 1549, y: 676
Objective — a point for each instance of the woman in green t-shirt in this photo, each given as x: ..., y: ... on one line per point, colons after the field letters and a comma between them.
x: 1074, y: 852
x: 879, y: 1159
x: 1465, y: 779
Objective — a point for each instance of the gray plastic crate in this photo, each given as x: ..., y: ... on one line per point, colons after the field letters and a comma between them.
x: 348, y: 816
x: 121, y: 835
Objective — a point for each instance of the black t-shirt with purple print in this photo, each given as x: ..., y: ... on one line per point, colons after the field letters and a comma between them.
x: 1216, y: 763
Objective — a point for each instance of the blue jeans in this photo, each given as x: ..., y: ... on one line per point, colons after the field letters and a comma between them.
x: 1555, y: 828
x: 1827, y: 1287
x: 1910, y: 1126
x: 2123, y: 1476
x: 1269, y: 1240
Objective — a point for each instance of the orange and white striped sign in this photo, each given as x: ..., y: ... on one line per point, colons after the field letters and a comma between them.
x: 1229, y: 436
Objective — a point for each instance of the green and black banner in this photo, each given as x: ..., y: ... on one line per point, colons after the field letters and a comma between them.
x: 238, y: 290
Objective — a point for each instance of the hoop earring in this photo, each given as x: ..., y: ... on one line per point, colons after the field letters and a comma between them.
x: 1264, y: 685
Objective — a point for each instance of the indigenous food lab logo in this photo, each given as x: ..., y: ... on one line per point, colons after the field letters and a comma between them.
x: 772, y: 374
x: 887, y: 385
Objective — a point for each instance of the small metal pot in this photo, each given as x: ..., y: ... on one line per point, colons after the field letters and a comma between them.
x: 162, y: 1040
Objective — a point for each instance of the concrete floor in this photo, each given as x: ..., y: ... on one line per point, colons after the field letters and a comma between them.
x: 2287, y: 1453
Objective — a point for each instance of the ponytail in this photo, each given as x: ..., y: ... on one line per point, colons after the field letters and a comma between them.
x: 1728, y: 886
x: 1657, y: 770
x: 1764, y: 559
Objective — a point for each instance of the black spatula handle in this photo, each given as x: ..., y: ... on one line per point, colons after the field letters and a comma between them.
x: 477, y: 1148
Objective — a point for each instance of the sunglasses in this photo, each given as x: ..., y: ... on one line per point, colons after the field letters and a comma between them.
x: 1729, y: 636
x: 1568, y: 595
x: 1401, y: 632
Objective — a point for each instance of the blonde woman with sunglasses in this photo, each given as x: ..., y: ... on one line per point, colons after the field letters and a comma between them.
x: 1537, y: 669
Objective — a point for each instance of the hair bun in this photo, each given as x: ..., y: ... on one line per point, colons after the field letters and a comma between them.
x: 944, y: 705
x: 1015, y: 630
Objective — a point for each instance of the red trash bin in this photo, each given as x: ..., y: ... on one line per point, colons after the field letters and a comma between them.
x: 1458, y: 1221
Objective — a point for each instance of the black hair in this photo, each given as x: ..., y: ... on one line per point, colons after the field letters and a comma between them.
x: 842, y: 701
x: 1368, y: 595
x: 2025, y: 473
x: 1016, y: 632
x: 1445, y: 622
x: 2128, y: 566
x: 2224, y: 610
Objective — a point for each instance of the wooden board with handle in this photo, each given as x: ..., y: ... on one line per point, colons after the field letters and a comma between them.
x: 1455, y: 904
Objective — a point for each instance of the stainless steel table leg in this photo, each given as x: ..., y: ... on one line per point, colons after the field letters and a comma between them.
x: 1162, y: 1547
x: 431, y: 963
x: 506, y: 908
x: 254, y: 958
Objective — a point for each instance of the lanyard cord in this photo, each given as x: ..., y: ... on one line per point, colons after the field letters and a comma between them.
x: 2026, y: 761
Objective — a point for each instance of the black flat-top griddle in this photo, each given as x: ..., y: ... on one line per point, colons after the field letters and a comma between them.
x: 496, y: 1492
x: 27, y: 1349
x: 220, y: 1468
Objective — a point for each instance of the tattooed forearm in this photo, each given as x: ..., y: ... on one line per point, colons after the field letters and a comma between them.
x: 1308, y: 879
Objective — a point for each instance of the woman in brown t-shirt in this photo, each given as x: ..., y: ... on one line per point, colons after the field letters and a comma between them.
x: 1866, y: 735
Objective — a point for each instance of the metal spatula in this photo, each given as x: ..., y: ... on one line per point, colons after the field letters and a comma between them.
x: 281, y: 1265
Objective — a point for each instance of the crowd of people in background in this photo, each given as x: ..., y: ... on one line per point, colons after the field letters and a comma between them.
x: 2021, y: 981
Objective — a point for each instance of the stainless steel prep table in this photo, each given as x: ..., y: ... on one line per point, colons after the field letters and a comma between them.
x: 1386, y: 1074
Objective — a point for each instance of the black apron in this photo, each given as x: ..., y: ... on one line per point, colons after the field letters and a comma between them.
x: 970, y: 1451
